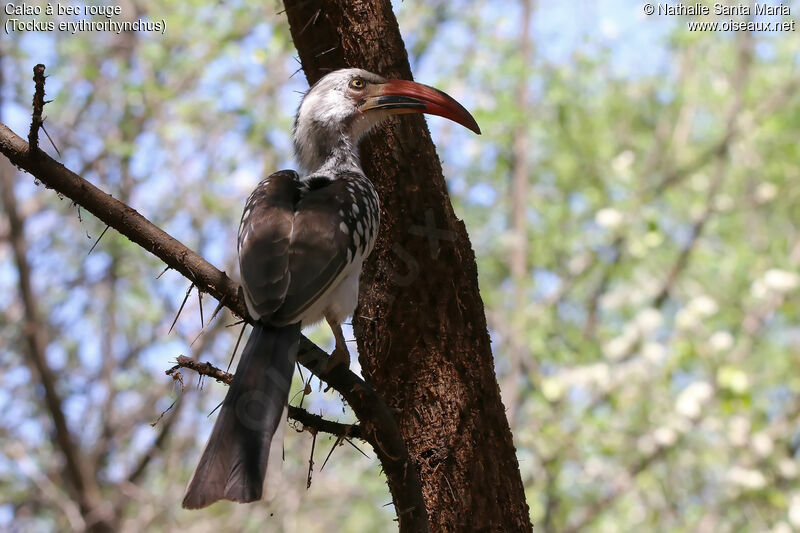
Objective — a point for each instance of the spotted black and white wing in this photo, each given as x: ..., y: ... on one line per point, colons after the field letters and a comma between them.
x: 296, y: 239
x: 264, y: 237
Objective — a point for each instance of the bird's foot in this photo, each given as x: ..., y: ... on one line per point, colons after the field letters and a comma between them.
x: 340, y: 356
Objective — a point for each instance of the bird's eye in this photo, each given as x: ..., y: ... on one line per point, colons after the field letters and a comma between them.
x: 357, y: 83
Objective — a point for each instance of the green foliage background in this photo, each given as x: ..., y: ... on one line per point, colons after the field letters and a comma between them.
x: 649, y: 357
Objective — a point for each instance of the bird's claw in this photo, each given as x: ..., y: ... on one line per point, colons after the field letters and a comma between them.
x: 340, y: 356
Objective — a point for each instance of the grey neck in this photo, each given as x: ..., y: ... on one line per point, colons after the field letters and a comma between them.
x: 331, y: 159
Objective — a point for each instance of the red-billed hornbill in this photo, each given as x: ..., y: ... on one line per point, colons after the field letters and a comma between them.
x: 301, y: 245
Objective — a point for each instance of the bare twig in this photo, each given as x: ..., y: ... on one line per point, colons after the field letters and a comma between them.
x: 308, y: 420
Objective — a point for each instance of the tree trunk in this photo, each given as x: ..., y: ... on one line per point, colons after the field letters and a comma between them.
x: 421, y: 329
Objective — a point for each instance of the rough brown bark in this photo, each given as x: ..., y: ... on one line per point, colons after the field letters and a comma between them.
x: 421, y: 329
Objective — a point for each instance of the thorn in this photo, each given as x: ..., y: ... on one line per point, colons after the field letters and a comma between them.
x: 217, y: 309
x: 311, y: 460
x: 335, y: 444
x: 235, y: 348
x: 163, y: 272
x: 50, y: 138
x: 311, y: 21
x: 181, y: 308
x: 210, y: 320
x: 328, y: 51
x: 214, y: 409
x: 98, y: 240
x: 350, y: 442
x: 196, y: 338
x: 200, y: 302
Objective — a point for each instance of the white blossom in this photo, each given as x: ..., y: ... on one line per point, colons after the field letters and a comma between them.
x: 762, y: 444
x: 781, y: 281
x: 623, y: 161
x: 781, y: 527
x: 553, y: 389
x: 759, y: 289
x: 608, y: 217
x: 691, y: 399
x: 766, y: 192
x: 733, y: 378
x: 620, y: 346
x: 698, y: 308
x: 665, y: 436
x: 738, y: 430
x: 704, y: 306
x: 721, y: 341
x: 723, y: 202
x: 686, y: 319
x: 794, y: 509
x: 787, y: 468
x: 648, y: 321
x: 654, y: 352
x: 748, y: 478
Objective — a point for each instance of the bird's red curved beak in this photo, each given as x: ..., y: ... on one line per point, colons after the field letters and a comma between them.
x: 401, y: 96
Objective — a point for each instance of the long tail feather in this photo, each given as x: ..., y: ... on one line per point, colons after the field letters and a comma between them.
x: 234, y: 462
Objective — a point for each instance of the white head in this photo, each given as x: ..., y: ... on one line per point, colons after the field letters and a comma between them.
x: 346, y: 104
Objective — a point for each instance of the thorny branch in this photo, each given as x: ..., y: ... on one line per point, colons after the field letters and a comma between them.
x: 379, y: 428
x: 38, y: 107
